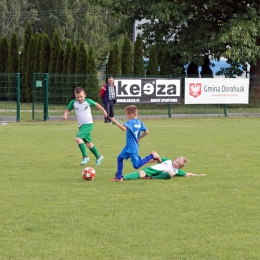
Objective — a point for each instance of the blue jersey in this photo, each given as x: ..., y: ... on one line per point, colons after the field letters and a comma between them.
x: 133, y: 132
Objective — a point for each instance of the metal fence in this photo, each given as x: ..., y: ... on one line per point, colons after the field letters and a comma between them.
x: 60, y: 90
x: 10, y: 95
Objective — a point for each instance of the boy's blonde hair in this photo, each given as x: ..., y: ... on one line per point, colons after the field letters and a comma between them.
x: 132, y: 109
x: 185, y: 160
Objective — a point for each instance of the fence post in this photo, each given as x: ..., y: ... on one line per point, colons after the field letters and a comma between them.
x: 225, y: 110
x: 169, y: 111
x: 18, y: 95
x: 46, y: 97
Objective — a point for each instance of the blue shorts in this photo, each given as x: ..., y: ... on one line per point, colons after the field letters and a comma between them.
x: 135, y: 158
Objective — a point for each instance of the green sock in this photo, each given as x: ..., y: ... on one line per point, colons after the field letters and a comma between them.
x: 95, y: 151
x: 163, y: 175
x: 132, y: 176
x: 83, y: 149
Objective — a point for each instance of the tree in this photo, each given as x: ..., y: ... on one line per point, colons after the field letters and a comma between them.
x: 196, y: 29
x: 92, y: 87
x: 206, y: 71
x: 81, y: 61
x: 13, y: 56
x: 138, y: 63
x: 13, y: 17
x: 152, y: 68
x: 72, y: 60
x: 126, y: 57
x: 166, y: 64
x: 66, y: 56
x: 59, y: 64
x: 114, y: 67
x: 72, y: 70
x: 110, y: 62
x: 37, y: 53
x: 81, y: 64
x: 27, y: 89
x: 12, y: 66
x: 54, y: 52
x: 192, y: 70
x: 58, y: 77
x: 77, y: 20
x: 45, y: 54
x: 4, y: 49
x: 27, y: 37
x: 55, y: 47
x: 65, y: 84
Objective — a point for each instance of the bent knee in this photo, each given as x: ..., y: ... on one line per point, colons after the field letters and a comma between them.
x: 136, y: 166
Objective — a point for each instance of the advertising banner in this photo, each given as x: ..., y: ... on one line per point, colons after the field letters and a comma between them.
x: 148, y: 90
x: 216, y: 90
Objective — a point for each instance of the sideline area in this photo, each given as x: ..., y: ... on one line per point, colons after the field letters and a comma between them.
x: 6, y: 119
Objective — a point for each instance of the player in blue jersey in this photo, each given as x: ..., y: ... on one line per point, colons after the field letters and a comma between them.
x: 135, y: 131
x: 82, y: 107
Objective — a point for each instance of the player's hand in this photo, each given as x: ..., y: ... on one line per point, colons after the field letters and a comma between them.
x: 112, y: 119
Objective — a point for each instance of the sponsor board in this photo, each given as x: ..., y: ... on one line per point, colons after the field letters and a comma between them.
x: 216, y: 91
x: 148, y: 90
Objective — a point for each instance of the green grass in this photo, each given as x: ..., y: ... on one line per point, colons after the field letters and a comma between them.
x: 49, y: 212
x: 9, y: 109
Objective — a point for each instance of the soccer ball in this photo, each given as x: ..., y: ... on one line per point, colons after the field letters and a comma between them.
x: 88, y: 173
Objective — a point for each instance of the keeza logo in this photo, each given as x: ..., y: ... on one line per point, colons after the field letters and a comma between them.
x: 195, y: 89
x: 148, y: 87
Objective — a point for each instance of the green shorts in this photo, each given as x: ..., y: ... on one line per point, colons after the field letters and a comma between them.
x: 84, y: 133
x: 151, y: 172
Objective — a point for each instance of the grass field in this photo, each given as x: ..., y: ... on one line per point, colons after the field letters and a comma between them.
x: 49, y: 212
x: 8, y: 108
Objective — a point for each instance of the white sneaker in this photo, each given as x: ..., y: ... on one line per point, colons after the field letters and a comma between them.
x: 99, y: 160
x: 85, y: 160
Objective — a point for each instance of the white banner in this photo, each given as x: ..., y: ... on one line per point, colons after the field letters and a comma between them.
x: 216, y: 90
x: 148, y: 90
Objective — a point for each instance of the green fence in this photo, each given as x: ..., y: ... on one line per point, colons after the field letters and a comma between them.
x: 10, y: 96
x: 52, y: 92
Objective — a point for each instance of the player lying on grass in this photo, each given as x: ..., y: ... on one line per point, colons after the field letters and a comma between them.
x: 164, y: 170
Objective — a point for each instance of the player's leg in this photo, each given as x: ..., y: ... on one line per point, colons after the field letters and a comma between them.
x: 135, y: 175
x: 120, y: 165
x: 106, y: 107
x: 111, y: 114
x: 138, y: 162
x: 82, y: 146
x: 90, y: 145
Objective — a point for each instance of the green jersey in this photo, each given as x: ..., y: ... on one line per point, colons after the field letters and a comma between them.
x: 165, y: 166
x: 82, y: 110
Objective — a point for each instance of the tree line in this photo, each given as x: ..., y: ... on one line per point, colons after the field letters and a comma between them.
x: 72, y: 64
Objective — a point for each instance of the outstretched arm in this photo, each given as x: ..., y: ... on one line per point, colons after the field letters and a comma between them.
x: 65, y: 115
x: 190, y: 174
x: 113, y: 120
x: 101, y: 109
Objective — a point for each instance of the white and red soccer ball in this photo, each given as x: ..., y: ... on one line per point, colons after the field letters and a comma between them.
x: 88, y: 173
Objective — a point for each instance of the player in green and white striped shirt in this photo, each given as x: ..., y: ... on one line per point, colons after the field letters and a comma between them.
x: 164, y: 170
x: 82, y: 107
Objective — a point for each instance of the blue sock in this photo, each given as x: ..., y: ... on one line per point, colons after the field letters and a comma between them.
x: 120, y: 166
x: 144, y: 161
